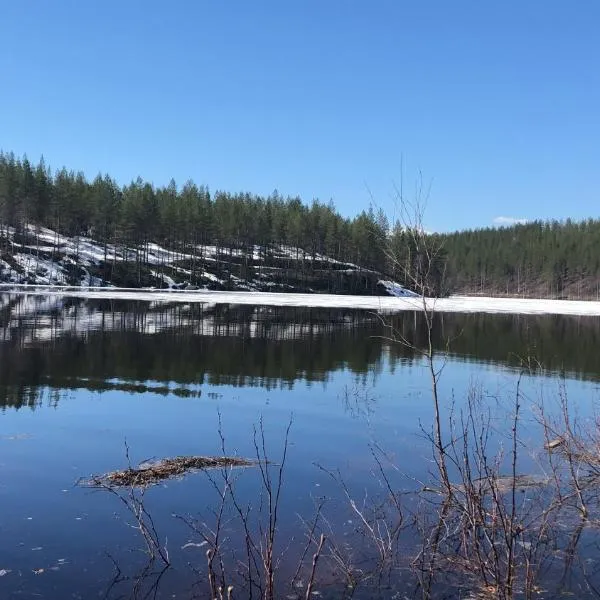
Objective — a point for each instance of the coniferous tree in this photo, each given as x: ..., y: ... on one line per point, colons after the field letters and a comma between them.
x: 537, y: 258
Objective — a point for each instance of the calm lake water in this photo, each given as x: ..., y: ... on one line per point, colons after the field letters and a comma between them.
x: 81, y: 379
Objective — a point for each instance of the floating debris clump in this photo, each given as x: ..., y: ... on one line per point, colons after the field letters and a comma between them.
x: 149, y: 473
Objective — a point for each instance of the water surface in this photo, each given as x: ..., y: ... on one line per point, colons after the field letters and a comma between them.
x: 81, y: 380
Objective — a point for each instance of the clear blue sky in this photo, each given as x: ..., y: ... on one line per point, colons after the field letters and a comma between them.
x: 497, y: 102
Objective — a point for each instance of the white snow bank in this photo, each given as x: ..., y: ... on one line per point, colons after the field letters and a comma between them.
x: 168, y: 280
x: 464, y: 304
x: 211, y: 277
x: 45, y: 271
x: 395, y: 289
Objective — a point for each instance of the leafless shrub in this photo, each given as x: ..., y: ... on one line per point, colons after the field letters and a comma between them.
x: 247, y: 560
x: 372, y: 557
x: 501, y: 533
x: 486, y: 527
x: 133, y: 499
x: 143, y: 585
x: 358, y: 400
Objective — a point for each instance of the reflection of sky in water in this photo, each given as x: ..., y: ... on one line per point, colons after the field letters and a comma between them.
x: 333, y: 426
x: 44, y: 451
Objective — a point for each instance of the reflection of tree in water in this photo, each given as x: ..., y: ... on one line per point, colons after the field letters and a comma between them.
x: 61, y: 343
x: 92, y: 344
x: 560, y: 344
x: 145, y: 584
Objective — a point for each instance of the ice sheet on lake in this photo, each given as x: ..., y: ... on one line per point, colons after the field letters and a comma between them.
x: 464, y: 304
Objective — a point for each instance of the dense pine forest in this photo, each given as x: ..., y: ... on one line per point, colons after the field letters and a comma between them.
x: 224, y: 240
x: 538, y: 259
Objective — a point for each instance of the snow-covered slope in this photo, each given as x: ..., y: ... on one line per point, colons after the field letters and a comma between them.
x: 43, y: 256
x: 40, y: 256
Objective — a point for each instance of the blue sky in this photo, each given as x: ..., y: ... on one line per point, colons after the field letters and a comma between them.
x: 496, y: 103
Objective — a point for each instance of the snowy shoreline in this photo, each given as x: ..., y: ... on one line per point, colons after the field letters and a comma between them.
x: 462, y: 304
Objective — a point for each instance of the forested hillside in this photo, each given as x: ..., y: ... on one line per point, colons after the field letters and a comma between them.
x: 539, y: 259
x: 217, y: 240
x: 150, y: 235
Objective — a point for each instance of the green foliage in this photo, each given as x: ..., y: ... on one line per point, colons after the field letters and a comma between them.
x: 244, y: 227
x: 539, y: 258
x: 551, y: 259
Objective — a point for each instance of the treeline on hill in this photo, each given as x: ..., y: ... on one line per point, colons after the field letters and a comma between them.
x: 538, y: 259
x: 243, y: 227
x: 245, y: 231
